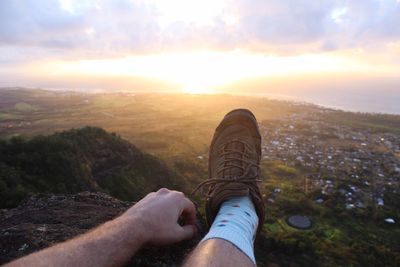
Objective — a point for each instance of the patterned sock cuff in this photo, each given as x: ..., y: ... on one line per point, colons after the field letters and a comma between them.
x: 237, y: 223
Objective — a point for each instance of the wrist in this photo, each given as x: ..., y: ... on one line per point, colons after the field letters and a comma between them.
x: 132, y: 230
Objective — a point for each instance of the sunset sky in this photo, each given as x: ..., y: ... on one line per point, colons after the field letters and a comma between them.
x: 205, y: 46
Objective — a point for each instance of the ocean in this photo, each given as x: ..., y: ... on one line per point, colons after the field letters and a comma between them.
x: 369, y: 101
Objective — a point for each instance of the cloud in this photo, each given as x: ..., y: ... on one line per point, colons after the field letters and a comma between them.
x: 36, y: 23
x: 327, y: 24
x: 283, y: 21
x: 88, y: 27
x: 101, y: 28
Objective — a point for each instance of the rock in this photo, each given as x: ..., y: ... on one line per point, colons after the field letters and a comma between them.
x: 319, y: 200
x: 44, y: 220
x: 299, y: 222
x: 23, y: 247
x: 390, y: 220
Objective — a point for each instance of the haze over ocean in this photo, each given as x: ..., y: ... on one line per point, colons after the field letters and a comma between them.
x: 371, y: 101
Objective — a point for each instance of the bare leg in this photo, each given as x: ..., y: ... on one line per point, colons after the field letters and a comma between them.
x: 217, y: 253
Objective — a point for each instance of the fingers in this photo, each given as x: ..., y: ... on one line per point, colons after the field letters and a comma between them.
x: 189, y: 211
x: 163, y: 191
x: 186, y: 232
x: 162, y: 211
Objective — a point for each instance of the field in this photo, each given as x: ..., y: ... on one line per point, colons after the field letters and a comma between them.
x: 300, y: 140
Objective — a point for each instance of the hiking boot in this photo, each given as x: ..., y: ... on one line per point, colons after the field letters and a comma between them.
x: 233, y: 165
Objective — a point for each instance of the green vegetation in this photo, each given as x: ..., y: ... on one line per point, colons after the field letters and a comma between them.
x: 22, y: 106
x: 280, y: 169
x: 8, y: 116
x: 78, y: 160
x: 374, y: 122
x: 338, y: 237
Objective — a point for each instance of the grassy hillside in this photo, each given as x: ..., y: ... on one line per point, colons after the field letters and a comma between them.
x: 78, y: 160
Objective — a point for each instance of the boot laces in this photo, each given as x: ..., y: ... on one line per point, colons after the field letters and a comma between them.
x: 233, y: 158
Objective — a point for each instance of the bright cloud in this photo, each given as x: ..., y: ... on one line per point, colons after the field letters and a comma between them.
x: 136, y: 26
x: 338, y: 14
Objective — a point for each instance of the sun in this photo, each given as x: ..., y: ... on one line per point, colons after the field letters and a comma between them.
x: 197, y: 90
x: 205, y: 71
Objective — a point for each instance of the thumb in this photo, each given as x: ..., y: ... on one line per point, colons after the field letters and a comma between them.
x: 187, y: 231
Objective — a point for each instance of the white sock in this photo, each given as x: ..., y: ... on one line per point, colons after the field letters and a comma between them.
x: 236, y: 222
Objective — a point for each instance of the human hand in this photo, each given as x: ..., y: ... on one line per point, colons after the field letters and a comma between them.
x: 157, y: 215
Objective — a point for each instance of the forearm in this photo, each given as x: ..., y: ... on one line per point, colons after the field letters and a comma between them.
x: 111, y: 244
x: 153, y: 221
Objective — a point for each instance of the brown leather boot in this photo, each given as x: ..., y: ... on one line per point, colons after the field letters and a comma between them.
x: 233, y: 165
